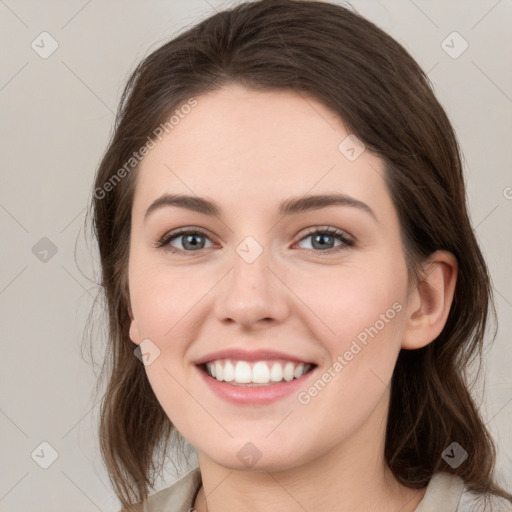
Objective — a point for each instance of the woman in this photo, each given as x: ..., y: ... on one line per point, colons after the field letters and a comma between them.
x: 284, y: 239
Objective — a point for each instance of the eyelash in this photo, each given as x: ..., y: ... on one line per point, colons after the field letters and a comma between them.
x: 169, y: 237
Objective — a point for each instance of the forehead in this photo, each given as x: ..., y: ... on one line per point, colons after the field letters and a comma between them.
x: 239, y: 144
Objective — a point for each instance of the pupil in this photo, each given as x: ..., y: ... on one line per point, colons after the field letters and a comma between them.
x: 188, y: 238
x: 319, y: 237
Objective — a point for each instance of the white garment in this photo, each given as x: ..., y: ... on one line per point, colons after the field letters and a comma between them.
x: 445, y: 493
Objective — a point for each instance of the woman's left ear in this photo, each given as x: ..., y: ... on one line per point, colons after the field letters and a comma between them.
x: 430, y: 301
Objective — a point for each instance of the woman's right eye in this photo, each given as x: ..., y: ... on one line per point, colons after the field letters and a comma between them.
x: 189, y: 241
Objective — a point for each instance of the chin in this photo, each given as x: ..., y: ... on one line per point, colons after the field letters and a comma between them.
x: 256, y: 456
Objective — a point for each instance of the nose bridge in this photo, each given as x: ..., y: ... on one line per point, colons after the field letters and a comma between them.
x: 250, y: 263
x: 252, y: 292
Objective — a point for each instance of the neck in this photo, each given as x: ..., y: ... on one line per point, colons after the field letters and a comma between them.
x: 353, y: 476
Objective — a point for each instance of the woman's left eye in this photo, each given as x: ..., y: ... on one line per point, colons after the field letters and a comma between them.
x: 321, y: 240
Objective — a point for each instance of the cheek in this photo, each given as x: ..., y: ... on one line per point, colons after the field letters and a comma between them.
x: 365, y: 311
x: 353, y: 299
x: 162, y: 297
x: 362, y: 319
x: 166, y: 303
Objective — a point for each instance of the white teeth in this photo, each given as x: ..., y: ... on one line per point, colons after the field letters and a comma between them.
x: 259, y: 372
x: 276, y: 373
x: 243, y: 372
x: 288, y: 371
x: 219, y: 371
x: 299, y: 371
x: 229, y: 372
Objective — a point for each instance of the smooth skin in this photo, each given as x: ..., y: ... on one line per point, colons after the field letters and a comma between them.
x: 248, y: 151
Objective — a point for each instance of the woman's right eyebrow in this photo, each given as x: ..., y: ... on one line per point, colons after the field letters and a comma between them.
x: 291, y: 206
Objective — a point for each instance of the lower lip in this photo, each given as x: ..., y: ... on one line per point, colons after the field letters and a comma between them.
x: 253, y: 395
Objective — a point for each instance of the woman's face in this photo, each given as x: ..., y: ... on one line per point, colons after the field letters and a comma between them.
x: 259, y: 283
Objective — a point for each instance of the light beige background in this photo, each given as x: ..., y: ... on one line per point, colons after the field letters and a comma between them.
x: 57, y: 114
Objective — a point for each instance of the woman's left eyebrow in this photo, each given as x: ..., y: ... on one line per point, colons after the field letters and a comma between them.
x: 291, y: 206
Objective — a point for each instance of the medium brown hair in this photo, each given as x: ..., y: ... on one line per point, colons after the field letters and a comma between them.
x: 382, y: 96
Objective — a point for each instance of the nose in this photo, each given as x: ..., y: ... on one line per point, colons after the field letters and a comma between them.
x: 251, y: 295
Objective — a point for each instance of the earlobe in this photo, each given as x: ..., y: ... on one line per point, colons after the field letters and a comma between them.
x: 431, y: 301
x: 134, y: 332
x: 134, y: 329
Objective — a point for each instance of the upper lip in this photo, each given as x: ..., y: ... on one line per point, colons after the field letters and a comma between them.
x: 249, y: 355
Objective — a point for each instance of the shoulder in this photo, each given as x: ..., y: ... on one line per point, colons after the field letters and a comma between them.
x: 448, y: 493
x: 137, y: 508
x: 477, y: 502
x: 179, y: 497
x: 442, y: 494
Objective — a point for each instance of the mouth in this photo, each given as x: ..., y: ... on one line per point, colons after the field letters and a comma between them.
x: 261, y: 373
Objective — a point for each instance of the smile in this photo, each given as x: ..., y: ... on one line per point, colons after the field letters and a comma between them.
x: 253, y: 373
x: 251, y: 384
